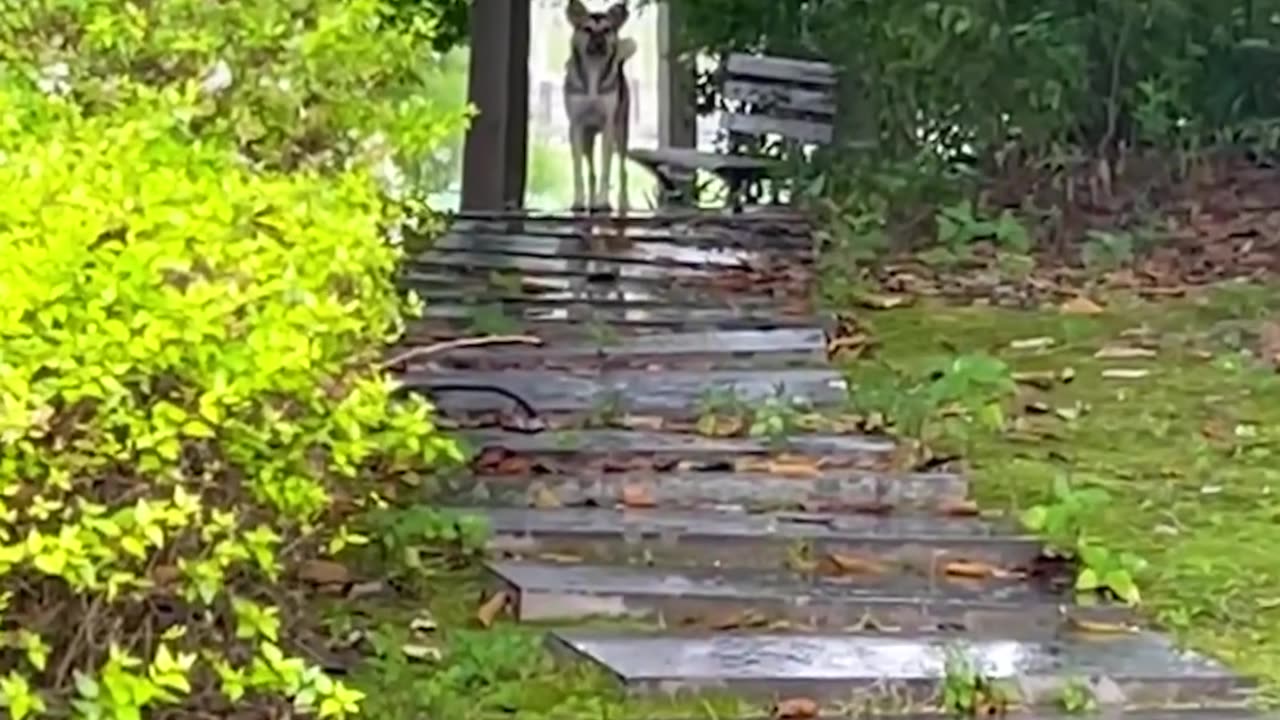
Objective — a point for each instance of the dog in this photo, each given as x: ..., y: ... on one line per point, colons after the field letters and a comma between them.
x: 597, y: 101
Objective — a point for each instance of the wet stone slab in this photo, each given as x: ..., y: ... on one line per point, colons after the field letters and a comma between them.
x: 460, y: 294
x: 780, y: 237
x: 725, y: 318
x: 1139, y: 669
x: 462, y: 290
x: 678, y: 445
x: 583, y: 265
x: 749, y: 218
x: 730, y: 599
x: 743, y: 348
x: 830, y: 490
x: 668, y: 392
x: 596, y: 248
x: 763, y: 541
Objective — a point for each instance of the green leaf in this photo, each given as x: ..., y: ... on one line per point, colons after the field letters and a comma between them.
x: 1087, y: 580
x: 1035, y: 517
x: 1121, y: 583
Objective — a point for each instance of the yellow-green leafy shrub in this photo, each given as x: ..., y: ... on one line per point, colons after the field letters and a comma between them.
x: 187, y: 371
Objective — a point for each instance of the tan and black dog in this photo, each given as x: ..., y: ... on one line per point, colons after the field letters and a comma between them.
x: 598, y: 101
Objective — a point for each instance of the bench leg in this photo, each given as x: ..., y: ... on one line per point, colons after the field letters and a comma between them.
x: 673, y: 193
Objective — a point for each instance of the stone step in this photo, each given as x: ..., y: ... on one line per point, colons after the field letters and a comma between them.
x: 593, y: 267
x: 907, y: 673
x: 758, y: 349
x: 764, y: 541
x: 627, y: 250
x: 463, y: 292
x: 733, y: 599
x: 767, y: 348
x: 671, y: 450
x: 827, y: 490
x: 673, y: 393
x: 792, y: 242
x: 705, y: 319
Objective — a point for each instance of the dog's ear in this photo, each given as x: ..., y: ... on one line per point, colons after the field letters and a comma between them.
x: 576, y: 12
x: 618, y: 15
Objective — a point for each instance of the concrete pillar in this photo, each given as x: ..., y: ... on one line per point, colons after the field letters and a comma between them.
x: 677, y: 120
x: 494, y: 158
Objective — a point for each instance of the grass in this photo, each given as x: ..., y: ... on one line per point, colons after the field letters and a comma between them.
x: 1187, y: 453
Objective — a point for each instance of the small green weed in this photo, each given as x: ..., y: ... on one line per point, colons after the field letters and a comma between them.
x: 415, y: 537
x: 1077, y: 699
x: 1062, y: 521
x: 967, y: 691
x: 777, y: 418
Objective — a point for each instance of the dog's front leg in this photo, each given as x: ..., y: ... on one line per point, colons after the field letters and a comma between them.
x: 600, y: 198
x: 576, y: 143
x: 621, y: 149
x: 589, y: 151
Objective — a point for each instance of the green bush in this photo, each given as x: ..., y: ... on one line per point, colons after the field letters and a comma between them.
x: 187, y: 375
x: 293, y: 83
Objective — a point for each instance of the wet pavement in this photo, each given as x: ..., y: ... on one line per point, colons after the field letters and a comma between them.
x: 666, y: 528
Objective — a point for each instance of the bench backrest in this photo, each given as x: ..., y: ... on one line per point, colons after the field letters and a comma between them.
x: 795, y: 99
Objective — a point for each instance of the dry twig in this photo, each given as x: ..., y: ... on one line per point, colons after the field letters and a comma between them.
x: 459, y: 344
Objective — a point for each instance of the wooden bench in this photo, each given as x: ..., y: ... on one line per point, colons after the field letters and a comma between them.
x: 793, y: 100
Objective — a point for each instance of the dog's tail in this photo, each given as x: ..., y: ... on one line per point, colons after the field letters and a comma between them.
x: 626, y: 48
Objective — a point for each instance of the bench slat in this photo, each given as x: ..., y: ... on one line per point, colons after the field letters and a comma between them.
x: 806, y: 131
x: 770, y: 96
x: 762, y: 66
x: 694, y: 159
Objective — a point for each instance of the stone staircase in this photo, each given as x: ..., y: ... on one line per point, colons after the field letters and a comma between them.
x: 804, y: 566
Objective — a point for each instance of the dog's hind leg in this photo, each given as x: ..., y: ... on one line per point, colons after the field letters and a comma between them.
x: 607, y: 148
x: 621, y: 149
x: 577, y: 140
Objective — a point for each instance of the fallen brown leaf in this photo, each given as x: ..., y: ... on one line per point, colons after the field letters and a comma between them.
x: 1102, y: 628
x: 1042, y: 379
x: 544, y: 497
x: 1080, y: 305
x: 736, y: 620
x: 793, y: 467
x: 1117, y: 352
x: 324, y: 572
x: 959, y: 508
x: 795, y: 709
x: 635, y: 495
x: 642, y: 422
x: 1035, y: 343
x: 366, y: 589
x: 513, y: 465
x: 884, y: 302
x: 561, y: 558
x: 971, y: 569
x: 721, y: 425
x: 849, y: 344
x: 856, y: 565
x: 1125, y: 373
x: 491, y: 608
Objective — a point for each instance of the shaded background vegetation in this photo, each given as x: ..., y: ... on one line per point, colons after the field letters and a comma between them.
x: 1058, y: 109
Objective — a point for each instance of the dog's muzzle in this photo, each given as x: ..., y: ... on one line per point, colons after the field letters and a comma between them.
x: 596, y: 45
